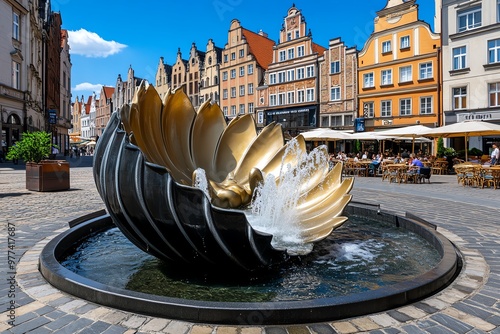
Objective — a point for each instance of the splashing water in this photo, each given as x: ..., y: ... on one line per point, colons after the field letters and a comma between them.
x: 273, y: 209
x: 201, y: 181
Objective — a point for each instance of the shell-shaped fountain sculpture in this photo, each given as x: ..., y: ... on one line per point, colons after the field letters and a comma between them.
x: 152, y: 151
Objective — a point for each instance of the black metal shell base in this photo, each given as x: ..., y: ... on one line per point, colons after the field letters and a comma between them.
x: 290, y: 312
x: 171, y: 221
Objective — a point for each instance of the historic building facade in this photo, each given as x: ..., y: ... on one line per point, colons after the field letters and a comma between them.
x: 399, y: 70
x: 209, y: 81
x: 245, y: 58
x: 471, y: 65
x: 338, y: 86
x: 63, y: 124
x: 125, y: 90
x: 292, y: 92
x: 104, y: 108
x: 163, y: 77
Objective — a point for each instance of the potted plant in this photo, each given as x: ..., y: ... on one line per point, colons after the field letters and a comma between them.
x: 41, y: 174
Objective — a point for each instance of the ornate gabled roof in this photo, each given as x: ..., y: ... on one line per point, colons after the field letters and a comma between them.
x: 260, y: 47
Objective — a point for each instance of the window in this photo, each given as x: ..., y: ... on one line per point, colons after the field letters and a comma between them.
x: 386, y: 46
x: 459, y: 58
x: 300, y: 73
x: 348, y: 120
x: 224, y: 94
x: 386, y: 77
x: 300, y: 96
x: 291, y: 97
x: 281, y: 99
x: 233, y: 56
x: 225, y: 58
x: 242, y: 53
x: 242, y: 90
x: 242, y: 109
x: 310, y: 71
x: 310, y: 94
x: 336, y: 121
x: 459, y: 98
x: 233, y: 91
x: 250, y: 88
x: 425, y: 71
x: 272, y: 100
x: 233, y: 73
x: 289, y: 36
x: 16, y: 75
x: 426, y: 105
x: 335, y: 67
x: 291, y: 53
x: 300, y: 51
x: 368, y: 80
x: 242, y: 71
x: 368, y: 110
x: 498, y: 11
x: 405, y: 42
x: 494, y: 51
x: 290, y: 75
x: 233, y: 110
x: 494, y: 93
x: 297, y: 34
x: 405, y: 74
x: 250, y: 108
x: 386, y: 108
x: 335, y: 93
x: 281, y: 76
x: 224, y: 76
x: 15, y: 26
x: 282, y: 55
x: 250, y: 69
x: 272, y: 78
x: 405, y: 107
x: 469, y: 19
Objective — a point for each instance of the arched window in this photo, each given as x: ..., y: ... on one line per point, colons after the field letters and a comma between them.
x: 14, y: 120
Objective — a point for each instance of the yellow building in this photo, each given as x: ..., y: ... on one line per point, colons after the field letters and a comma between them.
x: 399, y: 71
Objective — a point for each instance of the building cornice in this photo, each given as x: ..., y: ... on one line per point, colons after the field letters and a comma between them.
x: 481, y: 30
x: 429, y: 56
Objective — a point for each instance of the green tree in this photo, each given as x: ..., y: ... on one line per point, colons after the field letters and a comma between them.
x: 440, y: 147
x: 33, y: 147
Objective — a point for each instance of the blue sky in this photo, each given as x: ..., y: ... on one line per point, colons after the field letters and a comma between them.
x: 107, y: 37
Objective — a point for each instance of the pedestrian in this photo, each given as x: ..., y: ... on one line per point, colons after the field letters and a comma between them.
x: 495, y: 155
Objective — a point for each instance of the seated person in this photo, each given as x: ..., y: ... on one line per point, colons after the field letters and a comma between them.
x: 375, y: 164
x: 415, y: 162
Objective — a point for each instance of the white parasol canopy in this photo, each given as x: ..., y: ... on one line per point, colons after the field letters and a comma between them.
x: 465, y: 129
x: 412, y: 131
x: 326, y: 135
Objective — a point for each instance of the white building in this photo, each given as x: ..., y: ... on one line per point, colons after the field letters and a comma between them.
x: 471, y: 64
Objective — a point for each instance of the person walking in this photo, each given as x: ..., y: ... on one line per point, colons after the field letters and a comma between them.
x: 495, y: 155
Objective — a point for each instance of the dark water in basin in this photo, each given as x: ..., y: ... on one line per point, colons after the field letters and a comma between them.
x: 359, y: 256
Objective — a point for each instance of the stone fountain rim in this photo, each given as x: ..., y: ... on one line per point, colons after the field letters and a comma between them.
x: 253, y: 313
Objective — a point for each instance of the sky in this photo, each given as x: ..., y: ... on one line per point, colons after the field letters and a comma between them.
x: 107, y: 37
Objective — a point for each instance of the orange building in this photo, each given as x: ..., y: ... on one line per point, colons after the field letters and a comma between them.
x: 399, y: 71
x: 245, y: 59
x: 104, y: 108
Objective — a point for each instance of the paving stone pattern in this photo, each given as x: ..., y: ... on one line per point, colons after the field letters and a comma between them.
x: 469, y: 217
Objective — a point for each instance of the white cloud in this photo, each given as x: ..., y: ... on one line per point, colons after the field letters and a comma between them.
x: 87, y: 86
x: 89, y: 44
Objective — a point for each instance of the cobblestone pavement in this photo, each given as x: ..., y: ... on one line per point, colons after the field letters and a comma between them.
x: 467, y: 216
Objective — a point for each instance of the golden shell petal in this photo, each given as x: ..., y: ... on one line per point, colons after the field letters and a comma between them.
x: 274, y: 165
x: 205, y: 136
x: 263, y: 148
x: 177, y: 118
x: 230, y: 150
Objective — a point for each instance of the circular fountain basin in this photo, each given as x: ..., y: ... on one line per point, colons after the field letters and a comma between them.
x: 287, y: 310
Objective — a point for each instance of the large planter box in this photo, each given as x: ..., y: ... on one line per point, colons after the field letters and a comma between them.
x: 48, y: 175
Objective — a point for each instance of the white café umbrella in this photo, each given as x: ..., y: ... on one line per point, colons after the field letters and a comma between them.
x: 412, y: 131
x: 325, y: 135
x: 465, y: 129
